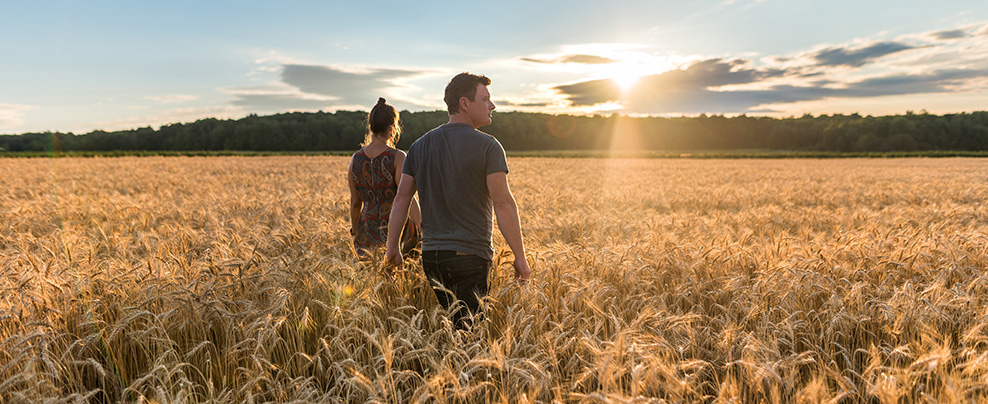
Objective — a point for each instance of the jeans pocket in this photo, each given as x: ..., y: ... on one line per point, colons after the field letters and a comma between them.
x: 465, y: 265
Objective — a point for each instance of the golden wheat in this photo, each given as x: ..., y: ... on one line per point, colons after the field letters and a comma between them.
x: 231, y: 279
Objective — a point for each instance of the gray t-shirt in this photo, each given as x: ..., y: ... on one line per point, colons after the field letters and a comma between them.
x: 450, y: 165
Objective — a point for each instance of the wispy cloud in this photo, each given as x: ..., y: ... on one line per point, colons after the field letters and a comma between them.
x: 580, y: 59
x: 167, y: 117
x: 279, y: 98
x: 857, y: 57
x: 511, y: 103
x: 11, y: 115
x: 172, y: 98
x: 950, y: 34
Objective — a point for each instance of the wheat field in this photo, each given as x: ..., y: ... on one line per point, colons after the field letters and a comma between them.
x: 232, y: 279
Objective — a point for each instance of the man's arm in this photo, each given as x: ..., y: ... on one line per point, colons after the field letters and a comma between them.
x: 414, y: 211
x: 508, y: 221
x: 396, y: 222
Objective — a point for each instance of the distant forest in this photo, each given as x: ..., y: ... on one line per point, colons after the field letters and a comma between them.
x: 518, y: 131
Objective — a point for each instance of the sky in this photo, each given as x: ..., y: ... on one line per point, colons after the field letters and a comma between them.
x: 78, y: 66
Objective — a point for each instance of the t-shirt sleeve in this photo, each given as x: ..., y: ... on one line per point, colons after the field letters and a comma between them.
x: 496, y: 160
x: 408, y: 166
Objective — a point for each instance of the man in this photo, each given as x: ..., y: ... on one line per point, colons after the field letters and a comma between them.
x: 460, y: 174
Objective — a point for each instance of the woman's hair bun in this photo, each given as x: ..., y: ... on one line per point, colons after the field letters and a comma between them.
x: 381, y: 100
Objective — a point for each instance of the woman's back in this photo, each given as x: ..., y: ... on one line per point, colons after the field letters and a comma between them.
x: 374, y: 178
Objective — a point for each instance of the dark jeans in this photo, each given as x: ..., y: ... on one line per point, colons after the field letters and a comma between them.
x: 465, y: 275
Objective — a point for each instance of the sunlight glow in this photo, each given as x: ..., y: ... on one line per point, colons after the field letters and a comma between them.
x: 625, y: 81
x: 627, y: 73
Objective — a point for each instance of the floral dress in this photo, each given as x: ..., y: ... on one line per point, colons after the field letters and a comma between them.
x: 375, y: 182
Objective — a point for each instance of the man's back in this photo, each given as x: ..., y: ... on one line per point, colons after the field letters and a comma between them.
x: 450, y: 165
x: 461, y: 176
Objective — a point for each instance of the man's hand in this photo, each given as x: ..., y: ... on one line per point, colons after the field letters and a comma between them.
x: 393, y: 259
x: 522, y: 272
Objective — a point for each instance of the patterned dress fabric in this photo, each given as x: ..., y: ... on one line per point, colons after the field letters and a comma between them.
x: 375, y: 182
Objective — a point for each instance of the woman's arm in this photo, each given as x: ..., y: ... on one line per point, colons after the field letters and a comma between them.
x: 414, y: 212
x: 355, y: 202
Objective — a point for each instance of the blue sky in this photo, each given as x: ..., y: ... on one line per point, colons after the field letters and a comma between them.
x: 78, y: 66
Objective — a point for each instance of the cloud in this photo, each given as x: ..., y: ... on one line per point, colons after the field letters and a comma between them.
x: 317, y: 87
x: 352, y: 88
x: 280, y: 101
x: 172, y: 98
x: 509, y: 103
x: 588, y: 59
x: 938, y: 81
x: 842, y: 56
x: 11, y: 115
x: 705, y: 86
x: 941, y: 81
x: 697, y: 78
x: 950, y: 34
x: 591, y: 92
x: 167, y: 117
x: 948, y: 61
x: 579, y: 59
x: 534, y: 60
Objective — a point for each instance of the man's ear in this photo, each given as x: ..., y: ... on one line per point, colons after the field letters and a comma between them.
x: 463, y: 103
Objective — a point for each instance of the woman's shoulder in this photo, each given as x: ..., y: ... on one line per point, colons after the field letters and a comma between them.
x: 392, y: 152
x: 358, y: 158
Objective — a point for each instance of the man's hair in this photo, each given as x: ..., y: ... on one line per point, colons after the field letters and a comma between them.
x: 462, y: 85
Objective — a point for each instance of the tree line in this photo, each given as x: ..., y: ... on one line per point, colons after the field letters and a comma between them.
x: 521, y: 131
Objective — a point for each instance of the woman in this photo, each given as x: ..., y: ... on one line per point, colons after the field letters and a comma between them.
x: 374, y: 174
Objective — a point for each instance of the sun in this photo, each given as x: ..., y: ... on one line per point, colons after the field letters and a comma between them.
x: 627, y: 74
x: 625, y: 81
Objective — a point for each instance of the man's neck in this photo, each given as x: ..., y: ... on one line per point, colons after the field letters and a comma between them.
x: 459, y: 118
